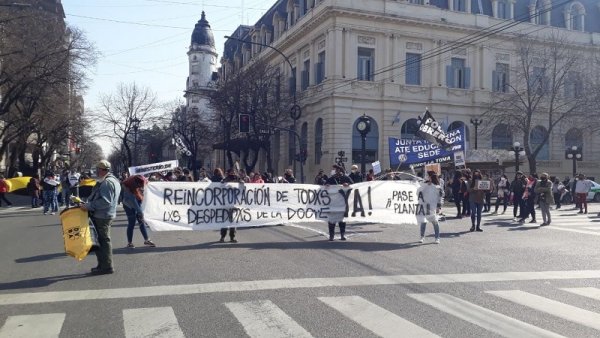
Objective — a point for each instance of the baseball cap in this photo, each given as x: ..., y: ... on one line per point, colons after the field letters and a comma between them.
x: 104, y: 164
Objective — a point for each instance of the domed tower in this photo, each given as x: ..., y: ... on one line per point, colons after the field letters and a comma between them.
x: 202, y: 57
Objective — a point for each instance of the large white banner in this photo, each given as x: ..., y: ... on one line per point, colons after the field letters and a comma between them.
x: 153, y: 167
x: 210, y: 206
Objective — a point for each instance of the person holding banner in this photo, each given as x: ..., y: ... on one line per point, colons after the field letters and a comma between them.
x: 476, y: 199
x: 340, y: 178
x: 432, y: 191
x: 231, y: 177
x: 132, y: 197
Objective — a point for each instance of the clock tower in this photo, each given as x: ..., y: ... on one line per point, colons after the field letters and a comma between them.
x: 202, y: 57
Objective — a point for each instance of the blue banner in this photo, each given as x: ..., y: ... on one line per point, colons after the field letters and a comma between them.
x: 411, y: 151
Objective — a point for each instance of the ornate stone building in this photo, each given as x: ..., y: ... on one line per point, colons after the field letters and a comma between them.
x: 392, y: 59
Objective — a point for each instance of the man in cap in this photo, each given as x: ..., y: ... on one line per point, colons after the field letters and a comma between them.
x: 339, y: 178
x: 102, y: 206
x: 355, y: 175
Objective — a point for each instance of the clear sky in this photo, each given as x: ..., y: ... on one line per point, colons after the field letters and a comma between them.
x: 146, y: 40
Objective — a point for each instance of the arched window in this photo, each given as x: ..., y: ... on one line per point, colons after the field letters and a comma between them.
x: 318, y: 140
x: 575, y: 16
x: 501, y: 137
x: 409, y: 128
x: 371, y: 143
x: 459, y: 124
x: 536, y: 138
x: 573, y: 137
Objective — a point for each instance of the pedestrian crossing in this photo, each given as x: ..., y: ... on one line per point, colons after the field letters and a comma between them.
x: 264, y: 318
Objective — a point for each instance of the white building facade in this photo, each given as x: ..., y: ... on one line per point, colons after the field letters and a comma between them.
x: 387, y: 59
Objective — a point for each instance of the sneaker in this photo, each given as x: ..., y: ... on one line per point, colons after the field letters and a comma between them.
x: 130, y: 245
x: 422, y: 240
x: 45, y: 213
x: 52, y: 213
x: 331, y: 239
x: 222, y: 240
x: 437, y: 241
x: 543, y: 224
x: 233, y: 240
x: 533, y: 221
x: 98, y: 271
x: 342, y: 238
x: 149, y: 243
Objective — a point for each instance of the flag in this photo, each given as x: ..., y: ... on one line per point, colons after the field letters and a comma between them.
x: 432, y: 131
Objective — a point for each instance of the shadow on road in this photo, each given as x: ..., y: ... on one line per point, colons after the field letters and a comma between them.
x: 38, y: 258
x: 39, y: 282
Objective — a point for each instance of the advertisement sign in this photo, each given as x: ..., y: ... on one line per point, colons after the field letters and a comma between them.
x: 421, y: 151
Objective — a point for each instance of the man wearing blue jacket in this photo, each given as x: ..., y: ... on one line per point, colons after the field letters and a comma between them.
x: 102, y: 206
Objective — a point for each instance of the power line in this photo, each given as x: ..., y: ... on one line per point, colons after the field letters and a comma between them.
x: 196, y: 4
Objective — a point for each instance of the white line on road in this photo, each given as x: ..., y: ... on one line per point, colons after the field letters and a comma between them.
x: 374, y: 318
x: 151, y: 322
x: 586, y: 232
x: 262, y: 318
x: 593, y: 293
x: 275, y: 284
x: 558, y: 309
x: 592, y: 228
x: 492, y: 321
x: 33, y: 326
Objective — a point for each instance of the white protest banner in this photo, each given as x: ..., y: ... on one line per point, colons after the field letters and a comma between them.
x: 211, y: 206
x: 153, y: 167
x: 376, y: 167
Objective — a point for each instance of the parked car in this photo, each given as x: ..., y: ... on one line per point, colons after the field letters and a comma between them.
x: 593, y: 195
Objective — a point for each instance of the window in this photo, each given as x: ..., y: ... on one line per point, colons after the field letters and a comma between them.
x: 536, y: 138
x: 195, y: 84
x: 538, y: 83
x: 413, y: 69
x: 576, y: 15
x: 460, y: 5
x: 416, y: 2
x: 304, y: 137
x: 501, y: 137
x: 366, y: 64
x: 500, y: 78
x: 457, y: 75
x: 318, y: 141
x: 573, y: 85
x: 195, y: 69
x: 409, y: 129
x: 320, y: 68
x: 542, y: 12
x: 292, y: 84
x: 371, y: 144
x: 573, y: 138
x: 503, y: 10
x: 305, y: 81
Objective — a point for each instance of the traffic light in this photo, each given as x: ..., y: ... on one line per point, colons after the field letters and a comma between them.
x: 244, y: 123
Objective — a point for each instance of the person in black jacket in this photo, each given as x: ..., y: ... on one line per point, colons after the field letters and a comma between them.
x: 517, y: 188
x: 231, y: 177
x: 339, y: 178
x: 355, y: 175
x: 456, y: 192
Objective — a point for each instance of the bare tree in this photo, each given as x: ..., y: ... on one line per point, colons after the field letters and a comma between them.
x: 255, y: 90
x: 119, y: 113
x: 549, y: 87
x: 196, y: 132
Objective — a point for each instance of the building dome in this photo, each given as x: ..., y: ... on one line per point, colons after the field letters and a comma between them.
x: 202, y: 34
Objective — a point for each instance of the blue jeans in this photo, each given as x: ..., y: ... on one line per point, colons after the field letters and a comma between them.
x: 476, y: 213
x: 50, y: 201
x: 67, y: 192
x: 436, y: 228
x: 132, y: 217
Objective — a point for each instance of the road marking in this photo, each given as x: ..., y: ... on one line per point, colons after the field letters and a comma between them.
x: 262, y: 318
x: 558, y: 309
x: 275, y: 284
x: 592, y: 228
x: 492, y: 321
x: 374, y: 318
x: 151, y: 322
x: 593, y: 293
x: 33, y: 326
x: 586, y: 232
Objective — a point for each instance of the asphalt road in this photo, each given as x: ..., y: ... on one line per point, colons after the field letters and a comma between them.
x: 289, y: 281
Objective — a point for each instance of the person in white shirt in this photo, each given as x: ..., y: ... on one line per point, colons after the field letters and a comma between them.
x: 432, y: 191
x: 582, y: 188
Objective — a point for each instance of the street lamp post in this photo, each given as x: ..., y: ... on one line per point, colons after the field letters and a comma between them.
x: 574, y: 153
x: 363, y: 127
x: 135, y: 123
x: 476, y: 122
x: 517, y: 151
